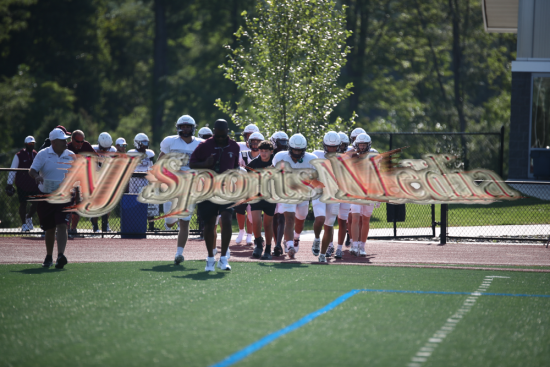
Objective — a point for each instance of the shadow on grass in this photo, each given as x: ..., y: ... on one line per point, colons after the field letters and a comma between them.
x: 285, y: 265
x: 203, y: 275
x: 38, y: 270
x: 169, y: 268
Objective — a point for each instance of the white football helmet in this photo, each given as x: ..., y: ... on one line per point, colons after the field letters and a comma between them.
x: 331, y: 139
x: 249, y: 129
x: 297, y: 141
x: 362, y: 138
x: 104, y: 141
x: 280, y: 140
x: 344, y: 142
x: 255, y: 136
x: 356, y: 132
x: 141, y: 140
x: 185, y: 120
x: 205, y: 133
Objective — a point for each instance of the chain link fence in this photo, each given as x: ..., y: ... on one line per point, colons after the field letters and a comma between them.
x: 527, y: 219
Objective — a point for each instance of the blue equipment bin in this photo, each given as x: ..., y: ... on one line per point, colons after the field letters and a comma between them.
x: 133, y: 217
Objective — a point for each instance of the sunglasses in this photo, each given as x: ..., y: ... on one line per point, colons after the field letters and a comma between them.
x: 79, y: 141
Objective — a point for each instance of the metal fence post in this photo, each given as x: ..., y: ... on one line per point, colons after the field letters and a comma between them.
x: 501, y: 155
x: 443, y: 235
x: 433, y: 220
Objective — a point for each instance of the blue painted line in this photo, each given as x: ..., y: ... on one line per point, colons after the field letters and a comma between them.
x: 457, y: 293
x: 243, y: 353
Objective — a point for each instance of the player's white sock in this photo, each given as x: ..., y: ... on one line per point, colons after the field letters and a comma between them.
x: 297, y: 235
x: 289, y: 244
x: 249, y: 237
x: 241, y: 231
x: 340, y: 247
x: 179, y: 251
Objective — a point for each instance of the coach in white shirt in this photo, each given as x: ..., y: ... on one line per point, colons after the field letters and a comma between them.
x: 48, y: 170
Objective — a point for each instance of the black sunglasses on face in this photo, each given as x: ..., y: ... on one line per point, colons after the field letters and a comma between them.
x: 79, y: 141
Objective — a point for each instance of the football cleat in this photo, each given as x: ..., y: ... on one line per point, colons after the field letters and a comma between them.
x: 316, y: 247
x: 291, y: 252
x: 362, y: 251
x: 278, y: 251
x: 330, y: 251
x: 266, y: 255
x: 61, y: 262
x: 48, y: 261
x: 178, y: 259
x: 210, y: 265
x: 338, y: 254
x: 223, y: 264
x: 239, y: 238
x: 322, y: 259
x: 257, y: 253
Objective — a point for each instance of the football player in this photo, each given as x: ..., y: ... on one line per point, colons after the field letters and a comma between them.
x: 185, y: 143
x: 205, y: 133
x: 325, y: 214
x: 141, y: 144
x: 280, y: 144
x: 243, y: 210
x: 295, y: 214
x: 103, y: 148
x: 361, y: 213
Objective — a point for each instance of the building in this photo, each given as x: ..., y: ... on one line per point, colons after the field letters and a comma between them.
x: 529, y: 144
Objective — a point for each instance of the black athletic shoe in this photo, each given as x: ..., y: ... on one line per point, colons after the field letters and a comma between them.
x: 259, y: 247
x: 278, y: 251
x: 48, y: 261
x: 61, y: 262
x: 266, y: 255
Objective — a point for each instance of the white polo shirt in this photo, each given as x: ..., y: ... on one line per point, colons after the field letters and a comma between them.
x: 175, y: 144
x: 52, y: 168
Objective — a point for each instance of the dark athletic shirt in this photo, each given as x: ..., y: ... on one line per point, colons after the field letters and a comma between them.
x: 257, y: 163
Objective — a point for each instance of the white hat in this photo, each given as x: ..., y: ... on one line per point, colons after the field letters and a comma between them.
x: 29, y: 139
x: 58, y: 134
x: 120, y: 141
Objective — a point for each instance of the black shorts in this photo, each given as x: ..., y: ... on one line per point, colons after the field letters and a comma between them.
x: 241, y: 209
x: 265, y: 206
x: 51, y: 215
x: 24, y: 196
x: 208, y: 210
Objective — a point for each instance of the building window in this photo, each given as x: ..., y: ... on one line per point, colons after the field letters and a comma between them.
x: 540, y: 117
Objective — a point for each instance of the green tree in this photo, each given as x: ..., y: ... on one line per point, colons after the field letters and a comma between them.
x: 287, y: 63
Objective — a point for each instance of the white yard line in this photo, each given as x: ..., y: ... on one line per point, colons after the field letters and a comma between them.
x: 426, y: 351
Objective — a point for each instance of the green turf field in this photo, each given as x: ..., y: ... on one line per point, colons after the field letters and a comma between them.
x: 151, y: 313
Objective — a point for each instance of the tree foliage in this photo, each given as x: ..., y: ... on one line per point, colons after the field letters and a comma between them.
x: 288, y: 63
x: 88, y: 65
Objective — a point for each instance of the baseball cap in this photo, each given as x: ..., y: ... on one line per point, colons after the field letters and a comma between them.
x: 29, y: 139
x: 64, y: 130
x: 120, y: 141
x: 58, y: 134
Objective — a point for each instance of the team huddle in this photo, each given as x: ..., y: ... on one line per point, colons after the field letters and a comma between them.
x: 283, y: 223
